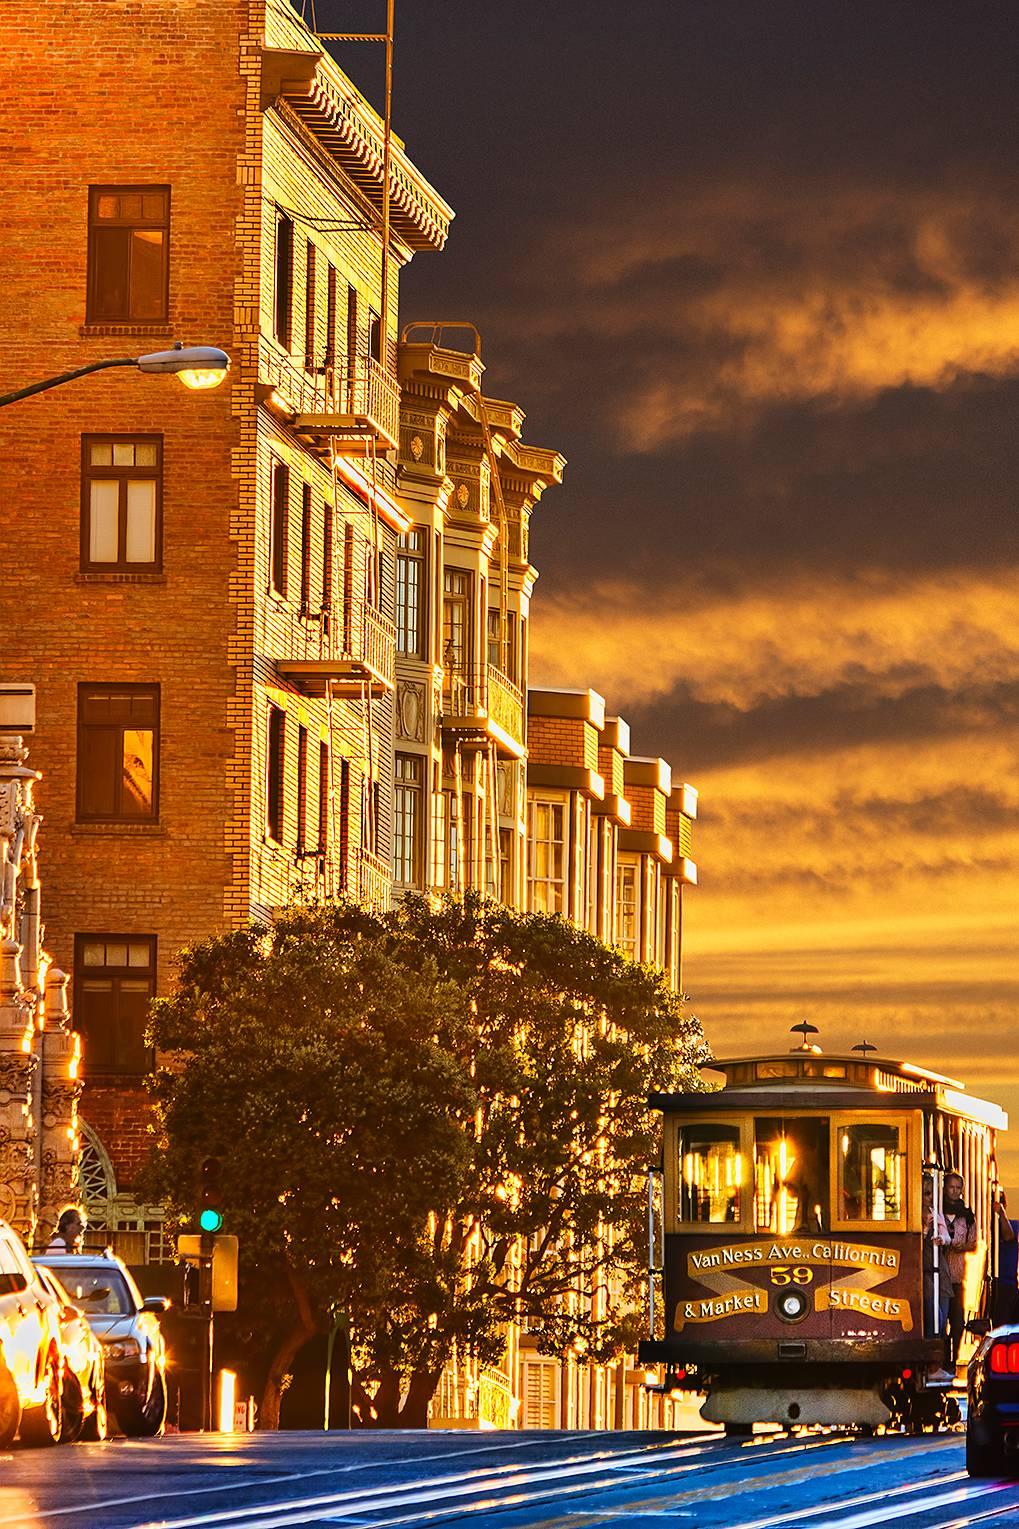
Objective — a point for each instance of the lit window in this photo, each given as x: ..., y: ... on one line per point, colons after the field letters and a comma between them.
x: 709, y: 1173
x: 128, y: 240
x: 872, y: 1172
x: 546, y: 881
x: 275, y: 759
x: 118, y: 752
x: 791, y: 1175
x: 407, y: 819
x: 122, y: 482
x: 626, y: 909
x: 410, y: 583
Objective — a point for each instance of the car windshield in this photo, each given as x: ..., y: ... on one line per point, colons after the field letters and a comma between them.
x: 99, y: 1292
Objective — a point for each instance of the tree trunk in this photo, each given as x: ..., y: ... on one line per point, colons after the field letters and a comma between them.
x: 272, y: 1394
x: 386, y: 1401
x: 414, y: 1413
x: 304, y: 1328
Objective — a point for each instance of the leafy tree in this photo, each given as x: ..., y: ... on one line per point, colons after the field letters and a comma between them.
x: 442, y: 1128
x: 305, y: 1058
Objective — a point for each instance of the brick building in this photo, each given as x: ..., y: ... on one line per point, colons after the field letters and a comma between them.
x: 208, y: 608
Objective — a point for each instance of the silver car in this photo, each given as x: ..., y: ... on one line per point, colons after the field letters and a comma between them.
x: 128, y: 1328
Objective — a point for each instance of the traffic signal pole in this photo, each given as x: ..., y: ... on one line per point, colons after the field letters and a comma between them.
x: 208, y: 1326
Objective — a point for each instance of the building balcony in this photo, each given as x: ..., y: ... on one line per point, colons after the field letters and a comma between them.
x: 352, y: 405
x: 351, y: 654
x: 374, y: 881
x: 482, y: 707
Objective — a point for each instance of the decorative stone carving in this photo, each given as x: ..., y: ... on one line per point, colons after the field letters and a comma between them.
x: 410, y: 711
x: 39, y: 1053
x: 417, y: 447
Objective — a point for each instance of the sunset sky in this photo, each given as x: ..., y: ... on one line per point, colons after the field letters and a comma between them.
x: 753, y: 268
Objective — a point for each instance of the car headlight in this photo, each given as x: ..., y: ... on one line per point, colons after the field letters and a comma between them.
x: 123, y: 1348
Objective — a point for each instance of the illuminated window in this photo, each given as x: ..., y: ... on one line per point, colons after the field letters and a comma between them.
x: 709, y: 1173
x: 410, y: 582
x: 407, y: 819
x: 275, y: 758
x: 626, y: 909
x: 128, y: 247
x: 791, y: 1175
x: 871, y: 1172
x: 546, y: 879
x: 118, y: 753
x: 122, y: 483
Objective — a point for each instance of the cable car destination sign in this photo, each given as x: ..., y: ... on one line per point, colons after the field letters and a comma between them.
x: 793, y: 1261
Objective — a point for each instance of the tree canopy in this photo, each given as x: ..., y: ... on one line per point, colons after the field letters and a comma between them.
x: 434, y: 1120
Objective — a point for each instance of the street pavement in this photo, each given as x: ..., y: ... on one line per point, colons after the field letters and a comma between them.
x: 579, y: 1480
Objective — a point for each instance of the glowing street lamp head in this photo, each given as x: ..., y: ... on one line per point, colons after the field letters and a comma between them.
x: 197, y: 366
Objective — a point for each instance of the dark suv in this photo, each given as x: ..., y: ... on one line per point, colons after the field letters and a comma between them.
x: 128, y: 1328
x: 992, y: 1422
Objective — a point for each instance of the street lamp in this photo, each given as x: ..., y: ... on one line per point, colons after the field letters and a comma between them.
x: 197, y: 366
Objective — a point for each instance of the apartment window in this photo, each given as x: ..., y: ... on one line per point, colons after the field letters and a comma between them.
x: 114, y: 982
x: 128, y: 248
x: 305, y: 547
x: 410, y: 587
x: 352, y: 326
x: 546, y: 880
x: 506, y: 865
x: 283, y: 290
x: 374, y: 336
x: 456, y: 620
x: 344, y: 823
x: 407, y: 820
x: 118, y: 753
x: 310, y: 305
x: 121, y: 503
x: 302, y: 790
x: 327, y: 556
x: 279, y: 515
x: 348, y: 587
x: 440, y: 852
x: 626, y: 909
x: 323, y: 798
x: 330, y: 359
x: 506, y: 662
x: 275, y: 760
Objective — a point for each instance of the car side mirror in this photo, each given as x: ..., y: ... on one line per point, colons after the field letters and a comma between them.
x: 156, y: 1303
x: 979, y: 1326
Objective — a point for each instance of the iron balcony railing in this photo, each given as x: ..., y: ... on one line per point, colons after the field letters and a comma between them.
x: 351, y: 396
x: 358, y: 636
x: 468, y: 692
x: 374, y: 881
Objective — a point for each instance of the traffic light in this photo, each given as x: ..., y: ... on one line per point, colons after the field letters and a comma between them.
x: 210, y: 1197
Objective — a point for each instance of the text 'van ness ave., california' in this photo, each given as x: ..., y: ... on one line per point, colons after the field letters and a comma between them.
x: 794, y: 1252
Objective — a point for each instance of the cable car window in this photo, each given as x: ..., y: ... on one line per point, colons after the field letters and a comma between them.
x: 777, y: 1069
x: 710, y: 1172
x: 871, y: 1172
x: 790, y: 1174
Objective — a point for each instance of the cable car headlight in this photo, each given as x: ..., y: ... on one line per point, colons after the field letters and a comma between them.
x: 792, y: 1305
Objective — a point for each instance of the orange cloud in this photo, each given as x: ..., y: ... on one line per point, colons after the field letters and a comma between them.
x: 765, y: 293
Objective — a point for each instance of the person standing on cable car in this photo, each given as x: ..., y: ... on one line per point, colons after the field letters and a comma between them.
x: 962, y: 1228
x: 935, y: 1234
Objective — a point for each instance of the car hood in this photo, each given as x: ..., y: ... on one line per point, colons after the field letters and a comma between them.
x: 112, y: 1327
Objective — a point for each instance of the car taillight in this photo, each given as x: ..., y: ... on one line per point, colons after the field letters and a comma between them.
x: 1005, y: 1359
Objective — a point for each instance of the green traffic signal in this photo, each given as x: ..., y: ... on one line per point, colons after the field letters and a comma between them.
x: 210, y: 1220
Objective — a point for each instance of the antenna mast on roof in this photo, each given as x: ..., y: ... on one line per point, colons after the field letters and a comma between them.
x: 865, y: 1047
x: 385, y: 37
x: 804, y: 1028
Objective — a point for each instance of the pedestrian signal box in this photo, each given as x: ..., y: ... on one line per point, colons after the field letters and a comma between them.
x: 215, y: 1259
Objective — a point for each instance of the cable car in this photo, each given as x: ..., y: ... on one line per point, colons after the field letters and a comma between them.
x: 786, y: 1238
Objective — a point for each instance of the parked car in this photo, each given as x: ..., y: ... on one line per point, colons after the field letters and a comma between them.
x: 84, y: 1399
x: 992, y: 1422
x: 128, y: 1328
x: 31, y: 1355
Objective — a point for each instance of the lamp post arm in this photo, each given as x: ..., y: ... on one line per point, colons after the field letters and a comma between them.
x: 55, y: 382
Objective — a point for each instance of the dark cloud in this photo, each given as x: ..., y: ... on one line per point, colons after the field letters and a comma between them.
x: 705, y: 734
